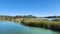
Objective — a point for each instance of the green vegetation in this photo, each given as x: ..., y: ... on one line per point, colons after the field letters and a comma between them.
x: 15, y: 18
x: 56, y: 19
x: 54, y: 25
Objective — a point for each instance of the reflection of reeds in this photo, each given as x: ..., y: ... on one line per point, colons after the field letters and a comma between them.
x: 54, y: 25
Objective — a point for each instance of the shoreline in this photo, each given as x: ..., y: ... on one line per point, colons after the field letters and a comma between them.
x: 53, y: 25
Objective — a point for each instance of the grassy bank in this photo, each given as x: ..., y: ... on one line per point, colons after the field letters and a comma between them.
x: 54, y: 25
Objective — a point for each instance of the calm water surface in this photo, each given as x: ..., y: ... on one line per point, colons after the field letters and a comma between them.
x: 10, y: 27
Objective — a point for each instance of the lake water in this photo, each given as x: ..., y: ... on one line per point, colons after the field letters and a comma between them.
x: 10, y: 27
x: 44, y: 18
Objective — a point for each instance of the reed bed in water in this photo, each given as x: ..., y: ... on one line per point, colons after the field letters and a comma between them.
x: 54, y: 25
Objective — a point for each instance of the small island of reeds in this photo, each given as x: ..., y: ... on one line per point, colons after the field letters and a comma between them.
x: 50, y: 24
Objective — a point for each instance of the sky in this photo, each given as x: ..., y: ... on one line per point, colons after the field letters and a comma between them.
x: 30, y: 7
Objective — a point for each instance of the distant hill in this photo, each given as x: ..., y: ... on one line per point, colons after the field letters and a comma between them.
x: 25, y: 16
x: 53, y: 17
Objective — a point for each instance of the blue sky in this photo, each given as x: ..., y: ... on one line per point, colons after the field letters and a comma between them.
x: 30, y: 7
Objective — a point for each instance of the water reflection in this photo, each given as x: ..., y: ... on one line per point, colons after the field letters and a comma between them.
x: 10, y: 27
